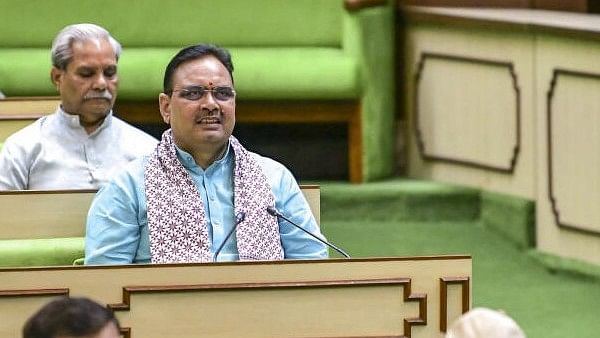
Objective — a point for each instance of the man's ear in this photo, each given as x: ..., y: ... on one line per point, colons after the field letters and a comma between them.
x: 56, y: 77
x: 164, y: 103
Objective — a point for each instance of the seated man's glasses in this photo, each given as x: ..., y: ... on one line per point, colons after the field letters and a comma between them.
x: 195, y: 93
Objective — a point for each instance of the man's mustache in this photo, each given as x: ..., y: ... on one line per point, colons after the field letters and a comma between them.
x: 101, y: 95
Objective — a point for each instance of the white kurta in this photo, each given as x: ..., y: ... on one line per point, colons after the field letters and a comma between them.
x: 55, y: 152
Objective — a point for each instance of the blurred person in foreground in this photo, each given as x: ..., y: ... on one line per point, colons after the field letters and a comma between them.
x: 200, y: 184
x: 71, y: 318
x: 484, y: 323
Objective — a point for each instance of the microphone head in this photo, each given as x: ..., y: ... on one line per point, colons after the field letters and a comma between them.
x: 240, y: 217
x: 272, y: 211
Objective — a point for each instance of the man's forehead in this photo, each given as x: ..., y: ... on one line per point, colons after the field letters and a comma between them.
x: 98, y: 42
x: 94, y: 49
x: 207, y: 69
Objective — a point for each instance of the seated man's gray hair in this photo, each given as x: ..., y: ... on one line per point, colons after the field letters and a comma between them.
x: 62, y: 53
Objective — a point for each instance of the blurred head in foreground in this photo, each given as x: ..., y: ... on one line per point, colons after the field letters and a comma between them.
x: 485, y: 323
x: 70, y: 318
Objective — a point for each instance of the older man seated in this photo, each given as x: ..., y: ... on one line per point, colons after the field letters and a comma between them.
x: 82, y: 144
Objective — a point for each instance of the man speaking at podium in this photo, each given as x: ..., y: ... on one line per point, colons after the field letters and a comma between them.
x: 200, y: 196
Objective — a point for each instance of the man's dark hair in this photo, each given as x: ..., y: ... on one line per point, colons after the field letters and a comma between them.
x: 193, y: 53
x: 68, y: 317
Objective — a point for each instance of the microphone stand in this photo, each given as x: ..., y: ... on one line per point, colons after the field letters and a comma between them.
x: 239, y: 218
x: 274, y: 212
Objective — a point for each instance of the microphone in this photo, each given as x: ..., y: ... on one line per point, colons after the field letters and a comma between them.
x: 274, y: 212
x: 239, y: 218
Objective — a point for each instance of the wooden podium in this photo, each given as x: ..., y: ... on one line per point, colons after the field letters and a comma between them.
x: 371, y: 297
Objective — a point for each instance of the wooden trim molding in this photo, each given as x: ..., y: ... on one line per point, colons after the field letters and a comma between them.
x: 510, y: 167
x: 31, y: 98
x: 21, y: 117
x: 125, y: 332
x: 241, y: 263
x: 256, y: 111
x: 44, y: 192
x: 535, y: 21
x: 34, y: 292
x: 556, y: 73
x: 415, y: 321
x: 125, y: 305
x: 27, y: 107
x: 444, y: 282
x: 357, y: 5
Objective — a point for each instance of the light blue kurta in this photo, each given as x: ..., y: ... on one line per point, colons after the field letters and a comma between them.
x: 117, y: 226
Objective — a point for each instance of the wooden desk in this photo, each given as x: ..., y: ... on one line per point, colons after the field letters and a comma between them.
x: 375, y: 297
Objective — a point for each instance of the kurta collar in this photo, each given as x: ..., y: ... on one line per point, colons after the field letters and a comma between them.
x: 188, y: 160
x: 72, y: 121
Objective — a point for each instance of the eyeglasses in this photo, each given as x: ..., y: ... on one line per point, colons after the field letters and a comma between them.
x: 195, y: 93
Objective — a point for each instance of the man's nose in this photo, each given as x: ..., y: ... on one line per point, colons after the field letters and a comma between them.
x: 100, y: 82
x: 209, y: 102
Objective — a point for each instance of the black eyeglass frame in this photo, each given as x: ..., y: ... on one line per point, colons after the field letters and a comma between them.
x: 220, y: 93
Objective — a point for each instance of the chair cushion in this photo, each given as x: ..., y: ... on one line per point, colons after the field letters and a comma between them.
x: 41, y: 252
x: 260, y: 73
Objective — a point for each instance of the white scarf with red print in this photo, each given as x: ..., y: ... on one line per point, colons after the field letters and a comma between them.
x: 177, y: 218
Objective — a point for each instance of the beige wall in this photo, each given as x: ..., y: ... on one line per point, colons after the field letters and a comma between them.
x: 468, y: 80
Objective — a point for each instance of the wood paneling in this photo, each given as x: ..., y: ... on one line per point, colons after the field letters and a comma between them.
x: 445, y: 282
x: 34, y: 214
x: 470, y: 3
x: 28, y: 106
x: 558, y: 5
x: 573, y: 118
x: 332, y: 111
x: 554, y: 59
x: 18, y: 112
x: 467, y: 111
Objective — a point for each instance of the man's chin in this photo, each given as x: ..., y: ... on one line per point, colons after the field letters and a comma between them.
x: 97, y: 109
x: 213, y: 137
x: 93, y: 116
